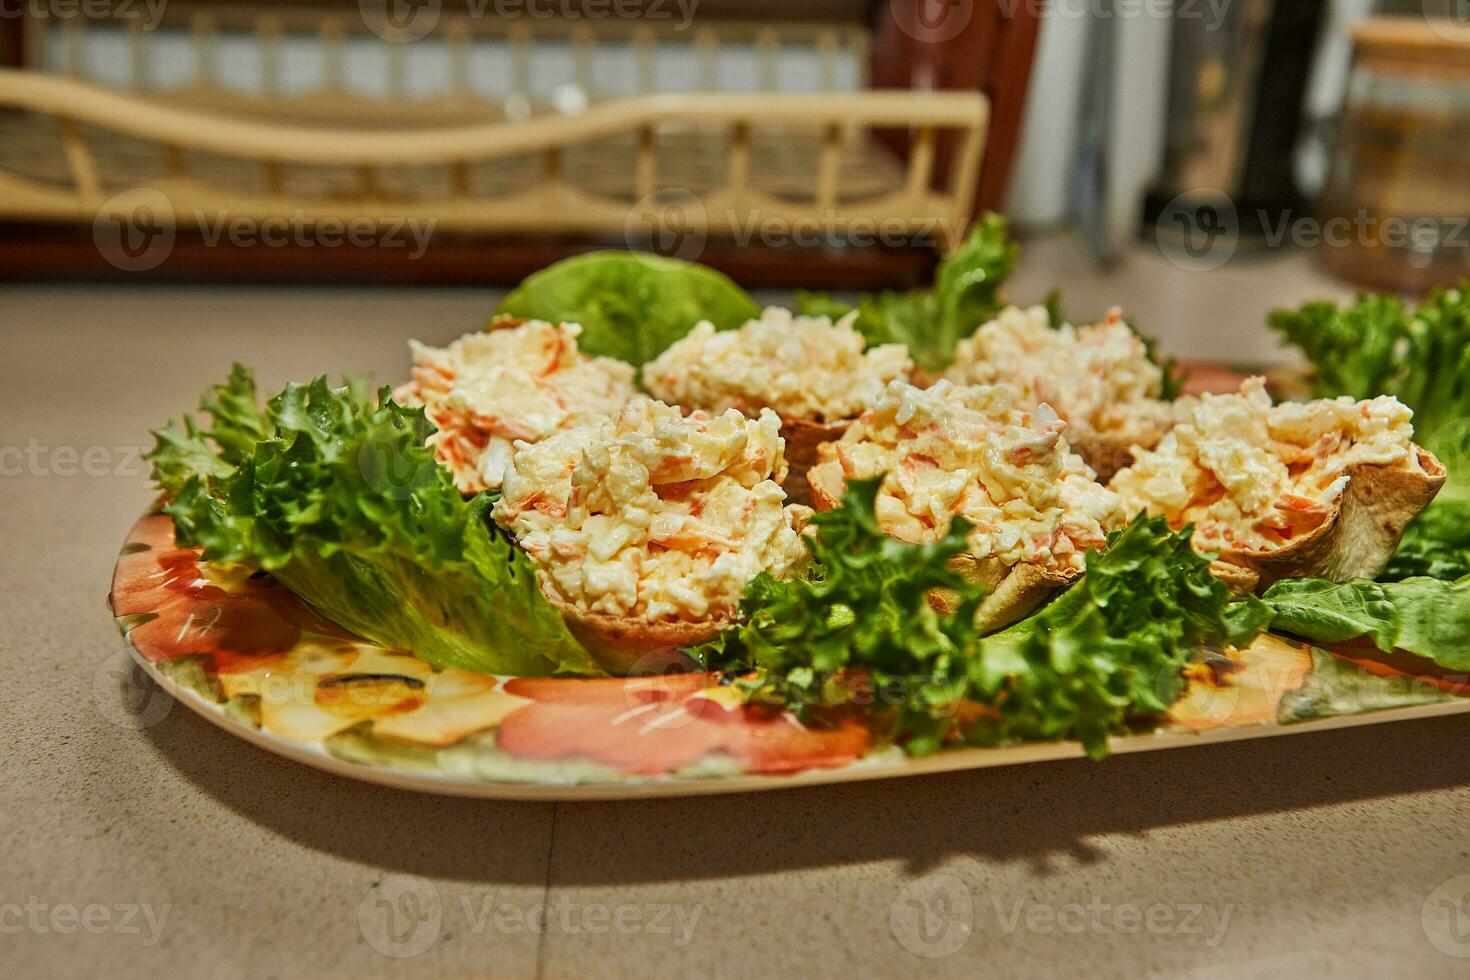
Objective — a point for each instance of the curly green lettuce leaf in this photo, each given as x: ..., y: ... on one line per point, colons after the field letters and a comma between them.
x: 1427, y: 617
x: 1111, y: 647
x: 862, y: 607
x: 966, y: 293
x: 631, y: 305
x: 336, y: 495
x: 1377, y: 346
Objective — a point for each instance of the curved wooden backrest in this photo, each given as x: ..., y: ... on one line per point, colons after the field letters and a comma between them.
x: 556, y: 204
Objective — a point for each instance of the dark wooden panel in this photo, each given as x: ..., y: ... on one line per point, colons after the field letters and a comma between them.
x: 44, y: 252
x: 985, y: 45
x: 12, y: 34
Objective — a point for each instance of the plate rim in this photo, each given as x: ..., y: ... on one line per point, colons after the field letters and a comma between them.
x: 948, y: 760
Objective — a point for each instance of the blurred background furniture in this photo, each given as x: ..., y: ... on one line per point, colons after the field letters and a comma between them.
x: 835, y: 144
x: 1396, y: 179
x: 522, y: 139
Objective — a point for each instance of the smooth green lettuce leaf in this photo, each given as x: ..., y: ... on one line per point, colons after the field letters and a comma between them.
x: 821, y: 304
x: 966, y: 293
x: 631, y: 305
x: 1436, y: 544
x: 337, y: 496
x: 1424, y: 616
x: 1111, y: 647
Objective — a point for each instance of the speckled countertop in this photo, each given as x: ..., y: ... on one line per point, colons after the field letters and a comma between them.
x: 174, y: 849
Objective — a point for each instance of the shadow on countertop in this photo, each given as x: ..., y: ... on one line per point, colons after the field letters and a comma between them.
x: 1035, y: 813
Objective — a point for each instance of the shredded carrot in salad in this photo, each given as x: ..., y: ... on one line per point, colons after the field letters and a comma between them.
x: 1098, y: 378
x: 655, y: 515
x: 519, y: 381
x: 967, y: 450
x: 1251, y: 474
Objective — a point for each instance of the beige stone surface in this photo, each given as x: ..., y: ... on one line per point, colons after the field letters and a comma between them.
x: 1300, y: 856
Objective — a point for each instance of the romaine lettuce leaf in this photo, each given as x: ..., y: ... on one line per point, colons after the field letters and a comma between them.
x: 1427, y: 617
x: 1436, y: 544
x: 631, y: 305
x: 338, y: 497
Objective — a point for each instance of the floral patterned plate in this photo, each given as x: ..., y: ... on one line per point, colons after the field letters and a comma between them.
x: 243, y: 652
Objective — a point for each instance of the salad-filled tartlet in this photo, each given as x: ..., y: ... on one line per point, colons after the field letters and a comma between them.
x: 1098, y: 378
x: 524, y: 518
x: 517, y: 381
x: 646, y: 530
x: 815, y: 374
x: 1320, y: 489
x: 969, y: 451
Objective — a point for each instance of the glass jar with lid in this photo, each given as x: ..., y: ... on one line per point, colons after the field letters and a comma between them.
x: 1395, y: 212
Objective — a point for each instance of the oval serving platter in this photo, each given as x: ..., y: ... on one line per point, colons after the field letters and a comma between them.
x: 243, y: 652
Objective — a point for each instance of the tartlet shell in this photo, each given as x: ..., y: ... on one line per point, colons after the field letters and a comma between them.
x: 1359, y: 536
x: 1015, y: 591
x: 623, y: 644
x: 804, y: 439
x: 1109, y: 452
